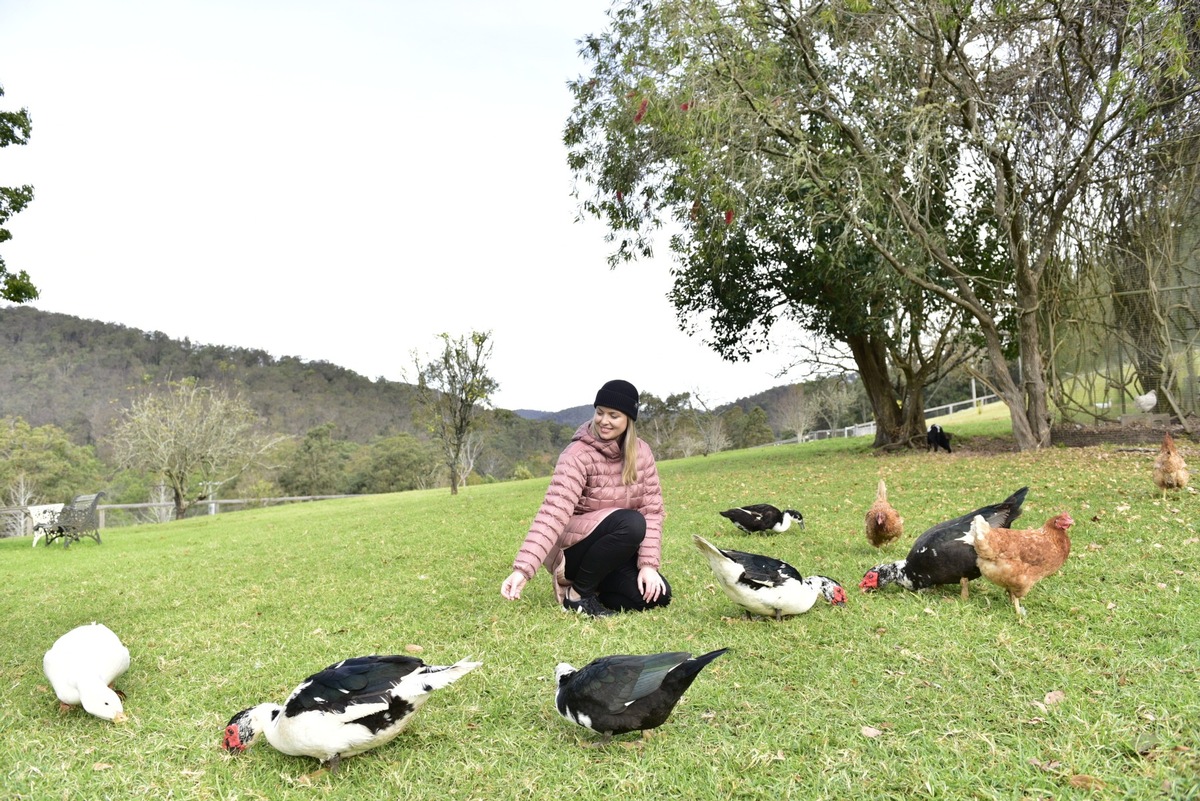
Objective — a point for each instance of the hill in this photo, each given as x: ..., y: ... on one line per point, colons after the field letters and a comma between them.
x: 79, y: 374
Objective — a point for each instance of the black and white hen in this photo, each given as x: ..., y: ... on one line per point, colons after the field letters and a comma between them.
x: 346, y: 709
x: 619, y: 694
x: 760, y: 518
x: 944, y: 553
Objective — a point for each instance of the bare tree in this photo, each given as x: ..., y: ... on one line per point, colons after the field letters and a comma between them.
x: 452, y: 390
x: 472, y: 446
x: 796, y: 411
x: 710, y: 427
x: 191, y: 436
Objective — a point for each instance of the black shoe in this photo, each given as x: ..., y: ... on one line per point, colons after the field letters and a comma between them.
x: 587, y: 605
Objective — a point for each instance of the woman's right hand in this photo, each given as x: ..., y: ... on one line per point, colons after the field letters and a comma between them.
x: 512, y: 586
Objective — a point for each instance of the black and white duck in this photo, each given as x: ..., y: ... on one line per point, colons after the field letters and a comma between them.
x: 764, y: 585
x: 619, y: 694
x: 346, y: 709
x: 759, y: 518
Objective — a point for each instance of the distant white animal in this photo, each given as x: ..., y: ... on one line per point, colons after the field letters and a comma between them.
x: 1147, y: 402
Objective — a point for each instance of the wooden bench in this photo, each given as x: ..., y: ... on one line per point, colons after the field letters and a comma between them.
x: 77, y: 519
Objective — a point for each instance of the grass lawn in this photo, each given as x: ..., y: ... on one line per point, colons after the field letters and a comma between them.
x: 1096, y: 694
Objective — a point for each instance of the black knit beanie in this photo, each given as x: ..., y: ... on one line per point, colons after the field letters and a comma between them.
x: 619, y: 395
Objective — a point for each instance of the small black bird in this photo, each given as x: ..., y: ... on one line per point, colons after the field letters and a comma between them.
x: 763, y: 517
x: 937, y: 439
x: 619, y: 694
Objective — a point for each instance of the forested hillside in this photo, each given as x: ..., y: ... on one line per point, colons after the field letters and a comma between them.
x: 79, y: 374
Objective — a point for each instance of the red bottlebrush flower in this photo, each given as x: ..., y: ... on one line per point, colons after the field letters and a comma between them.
x: 620, y: 197
x: 684, y: 106
x: 729, y: 216
x: 641, y: 112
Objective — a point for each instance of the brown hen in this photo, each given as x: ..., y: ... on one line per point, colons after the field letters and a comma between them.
x: 1170, y: 471
x: 1016, y: 559
x: 884, y: 524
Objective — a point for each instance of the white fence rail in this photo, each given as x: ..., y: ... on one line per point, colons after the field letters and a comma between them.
x: 17, y: 520
x: 868, y: 429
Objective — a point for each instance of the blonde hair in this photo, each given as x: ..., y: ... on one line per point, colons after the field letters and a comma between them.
x: 628, y: 449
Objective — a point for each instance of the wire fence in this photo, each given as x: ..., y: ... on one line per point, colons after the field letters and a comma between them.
x: 16, y: 521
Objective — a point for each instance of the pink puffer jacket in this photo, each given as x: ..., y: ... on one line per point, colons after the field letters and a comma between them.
x: 585, y: 488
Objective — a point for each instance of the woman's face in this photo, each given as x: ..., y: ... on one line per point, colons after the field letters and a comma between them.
x: 610, y: 423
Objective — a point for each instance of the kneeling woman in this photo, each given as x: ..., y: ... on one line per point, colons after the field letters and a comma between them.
x: 599, y: 529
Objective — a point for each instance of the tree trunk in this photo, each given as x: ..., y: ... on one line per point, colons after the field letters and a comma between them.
x: 180, y: 503
x: 871, y: 359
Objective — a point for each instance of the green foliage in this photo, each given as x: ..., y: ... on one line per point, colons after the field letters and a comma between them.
x: 897, y: 695
x: 454, y: 387
x: 394, y: 464
x: 44, y: 461
x: 747, y: 429
x: 15, y: 127
x: 317, y: 466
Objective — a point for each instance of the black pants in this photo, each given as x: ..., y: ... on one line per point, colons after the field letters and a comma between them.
x: 605, y: 563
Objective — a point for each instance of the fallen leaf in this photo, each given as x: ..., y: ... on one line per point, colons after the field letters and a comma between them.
x: 871, y: 731
x: 1054, y: 697
x: 101, y: 766
x: 413, y: 649
x: 1086, y: 782
x: 1049, y: 767
x: 1145, y: 743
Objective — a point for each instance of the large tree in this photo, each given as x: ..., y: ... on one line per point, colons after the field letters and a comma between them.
x: 192, y: 436
x: 453, y: 388
x: 40, y: 464
x: 15, y: 127
x: 937, y: 135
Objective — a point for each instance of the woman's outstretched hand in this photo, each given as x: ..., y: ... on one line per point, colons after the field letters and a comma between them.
x: 516, y: 581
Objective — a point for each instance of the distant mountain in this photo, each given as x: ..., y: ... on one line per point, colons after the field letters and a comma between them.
x: 79, y: 374
x: 574, y: 416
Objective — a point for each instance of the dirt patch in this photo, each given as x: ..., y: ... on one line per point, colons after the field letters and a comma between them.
x: 1131, y: 433
x: 1070, y: 435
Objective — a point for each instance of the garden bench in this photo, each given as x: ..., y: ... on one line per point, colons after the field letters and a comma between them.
x: 77, y: 519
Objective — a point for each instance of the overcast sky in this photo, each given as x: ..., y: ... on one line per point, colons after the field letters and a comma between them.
x: 334, y: 181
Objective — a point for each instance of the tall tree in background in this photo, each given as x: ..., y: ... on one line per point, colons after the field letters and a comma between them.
x: 40, y: 464
x: 14, y: 130
x: 191, y: 436
x: 452, y: 389
x: 954, y: 141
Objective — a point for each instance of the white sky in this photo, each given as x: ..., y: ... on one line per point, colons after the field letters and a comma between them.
x: 337, y: 181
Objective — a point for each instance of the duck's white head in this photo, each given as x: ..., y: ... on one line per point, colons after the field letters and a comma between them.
x: 103, y: 702
x: 246, y: 727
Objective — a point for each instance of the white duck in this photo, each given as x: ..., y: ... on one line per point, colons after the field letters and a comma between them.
x: 763, y: 585
x: 82, y: 666
x: 347, y: 708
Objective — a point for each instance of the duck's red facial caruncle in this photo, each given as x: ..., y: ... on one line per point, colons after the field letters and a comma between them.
x: 870, y: 581
x: 232, y: 741
x: 839, y: 597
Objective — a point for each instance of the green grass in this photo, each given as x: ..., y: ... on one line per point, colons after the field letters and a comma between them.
x: 227, y: 611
